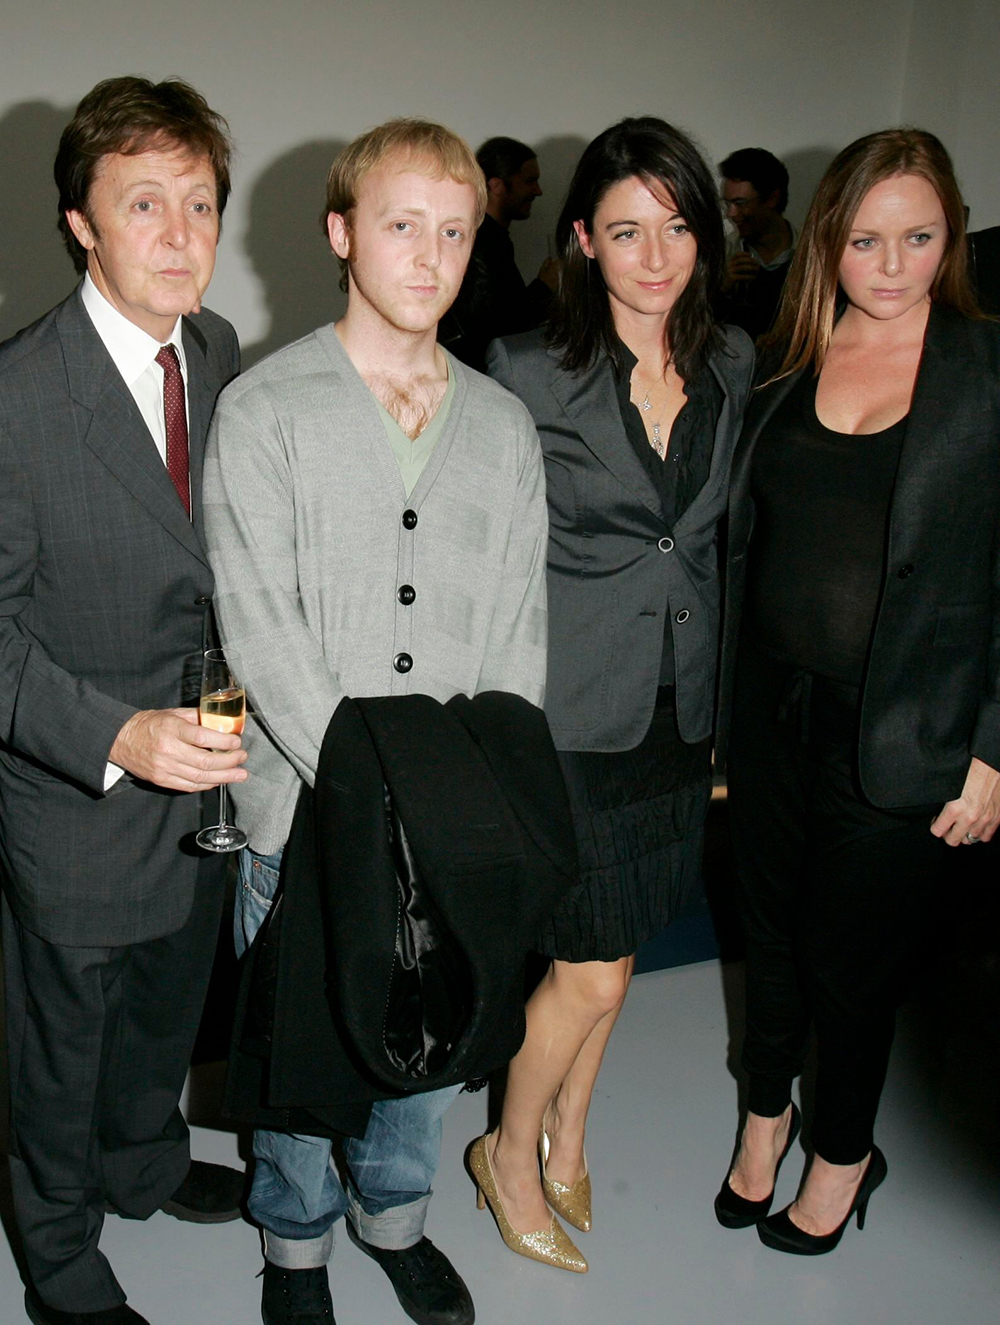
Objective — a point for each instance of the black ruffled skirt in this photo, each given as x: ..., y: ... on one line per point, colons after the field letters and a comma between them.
x: 639, y: 817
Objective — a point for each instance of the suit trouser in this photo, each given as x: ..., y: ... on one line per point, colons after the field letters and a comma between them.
x: 99, y: 1042
x: 835, y: 896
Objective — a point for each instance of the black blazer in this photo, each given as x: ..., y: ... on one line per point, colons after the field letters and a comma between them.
x: 319, y: 1013
x: 104, y: 590
x: 984, y: 260
x: 930, y: 694
x: 614, y: 566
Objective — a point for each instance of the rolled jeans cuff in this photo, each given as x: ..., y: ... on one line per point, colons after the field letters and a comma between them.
x: 394, y: 1229
x: 298, y: 1253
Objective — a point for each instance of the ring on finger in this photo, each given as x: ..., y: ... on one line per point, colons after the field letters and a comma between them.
x: 971, y: 839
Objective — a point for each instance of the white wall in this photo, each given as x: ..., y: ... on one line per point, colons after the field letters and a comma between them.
x: 952, y: 87
x: 298, y: 79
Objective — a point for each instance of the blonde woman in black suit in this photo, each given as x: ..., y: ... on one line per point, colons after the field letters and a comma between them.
x: 637, y: 396
x: 862, y: 627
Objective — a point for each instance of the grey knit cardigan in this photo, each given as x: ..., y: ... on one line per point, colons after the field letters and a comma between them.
x: 331, y: 582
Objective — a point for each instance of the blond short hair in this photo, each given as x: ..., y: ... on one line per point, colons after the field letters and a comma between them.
x: 421, y: 144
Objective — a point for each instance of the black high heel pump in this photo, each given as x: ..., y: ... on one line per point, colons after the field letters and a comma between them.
x: 779, y: 1233
x: 734, y: 1211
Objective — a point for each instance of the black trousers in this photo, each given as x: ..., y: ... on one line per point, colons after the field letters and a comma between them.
x: 99, y: 1041
x: 835, y: 895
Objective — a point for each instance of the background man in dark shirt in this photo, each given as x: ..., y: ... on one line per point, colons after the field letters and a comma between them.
x: 755, y: 194
x: 494, y: 300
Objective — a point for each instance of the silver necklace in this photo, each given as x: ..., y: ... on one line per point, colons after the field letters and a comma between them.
x: 656, y: 441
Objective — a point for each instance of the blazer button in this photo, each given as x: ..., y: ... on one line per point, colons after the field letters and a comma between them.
x: 202, y: 600
x: 906, y: 571
x: 682, y: 616
x: 409, y: 519
x: 666, y: 544
x: 402, y: 662
x: 406, y: 594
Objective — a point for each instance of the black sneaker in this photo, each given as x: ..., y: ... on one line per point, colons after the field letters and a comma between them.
x: 209, y: 1194
x: 296, y: 1297
x: 429, y: 1288
x: 40, y: 1314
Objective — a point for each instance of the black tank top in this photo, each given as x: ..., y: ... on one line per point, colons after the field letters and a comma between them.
x: 817, y: 556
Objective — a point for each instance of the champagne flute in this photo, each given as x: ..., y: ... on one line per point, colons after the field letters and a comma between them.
x: 223, y: 709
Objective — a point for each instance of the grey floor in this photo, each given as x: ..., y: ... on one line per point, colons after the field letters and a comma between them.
x: 661, y: 1130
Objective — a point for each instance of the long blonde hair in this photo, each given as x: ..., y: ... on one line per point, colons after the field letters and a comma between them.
x: 807, y: 314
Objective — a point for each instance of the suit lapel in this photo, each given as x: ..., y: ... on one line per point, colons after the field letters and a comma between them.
x: 591, y: 403
x: 201, y: 403
x: 945, y: 375
x: 760, y: 408
x: 359, y: 412
x: 706, y: 501
x: 117, y: 434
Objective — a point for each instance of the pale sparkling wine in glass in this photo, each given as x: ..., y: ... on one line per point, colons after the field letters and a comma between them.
x: 223, y: 709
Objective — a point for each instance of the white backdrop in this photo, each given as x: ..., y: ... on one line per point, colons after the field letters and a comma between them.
x: 298, y: 79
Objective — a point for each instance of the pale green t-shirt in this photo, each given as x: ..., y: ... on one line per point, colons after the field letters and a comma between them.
x: 411, y: 456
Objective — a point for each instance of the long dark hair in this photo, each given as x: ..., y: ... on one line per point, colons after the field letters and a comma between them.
x: 807, y: 313
x: 665, y: 158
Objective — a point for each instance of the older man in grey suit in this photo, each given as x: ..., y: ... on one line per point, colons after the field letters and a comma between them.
x: 110, y: 916
x: 377, y: 526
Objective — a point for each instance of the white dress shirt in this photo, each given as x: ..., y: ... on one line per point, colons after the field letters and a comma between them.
x: 134, y: 353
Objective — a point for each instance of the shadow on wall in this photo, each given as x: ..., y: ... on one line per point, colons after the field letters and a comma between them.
x: 289, y: 255
x: 534, y: 240
x: 36, y: 272
x: 806, y: 167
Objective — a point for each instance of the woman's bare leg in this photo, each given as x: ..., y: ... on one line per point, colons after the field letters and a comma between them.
x: 572, y: 1000
x: 566, y: 1121
x: 761, y: 1147
x: 826, y: 1195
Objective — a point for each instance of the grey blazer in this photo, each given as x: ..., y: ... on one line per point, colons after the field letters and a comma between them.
x: 104, y: 589
x: 614, y: 567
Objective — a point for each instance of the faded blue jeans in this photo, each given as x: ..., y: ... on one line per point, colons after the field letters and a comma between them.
x: 297, y: 1194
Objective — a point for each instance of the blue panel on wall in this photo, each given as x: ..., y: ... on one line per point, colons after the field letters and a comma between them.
x: 689, y: 939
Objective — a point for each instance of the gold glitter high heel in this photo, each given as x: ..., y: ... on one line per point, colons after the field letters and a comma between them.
x: 573, y: 1203
x: 551, y: 1246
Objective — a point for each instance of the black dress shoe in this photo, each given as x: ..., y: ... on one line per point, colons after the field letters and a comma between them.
x: 780, y: 1234
x: 296, y: 1297
x: 735, y: 1211
x: 210, y: 1194
x: 40, y: 1314
x: 429, y: 1288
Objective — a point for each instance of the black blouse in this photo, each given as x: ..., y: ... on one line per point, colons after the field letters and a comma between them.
x: 681, y: 476
x: 817, y: 555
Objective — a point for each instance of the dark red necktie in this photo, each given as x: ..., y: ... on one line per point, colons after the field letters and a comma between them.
x: 175, y: 414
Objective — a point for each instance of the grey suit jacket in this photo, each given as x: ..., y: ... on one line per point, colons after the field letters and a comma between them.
x: 332, y: 582
x: 614, y: 567
x: 104, y: 590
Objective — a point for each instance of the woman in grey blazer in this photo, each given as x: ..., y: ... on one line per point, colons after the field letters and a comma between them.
x: 637, y: 396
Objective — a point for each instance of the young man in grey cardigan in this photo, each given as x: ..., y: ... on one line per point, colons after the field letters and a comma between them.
x: 377, y: 526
